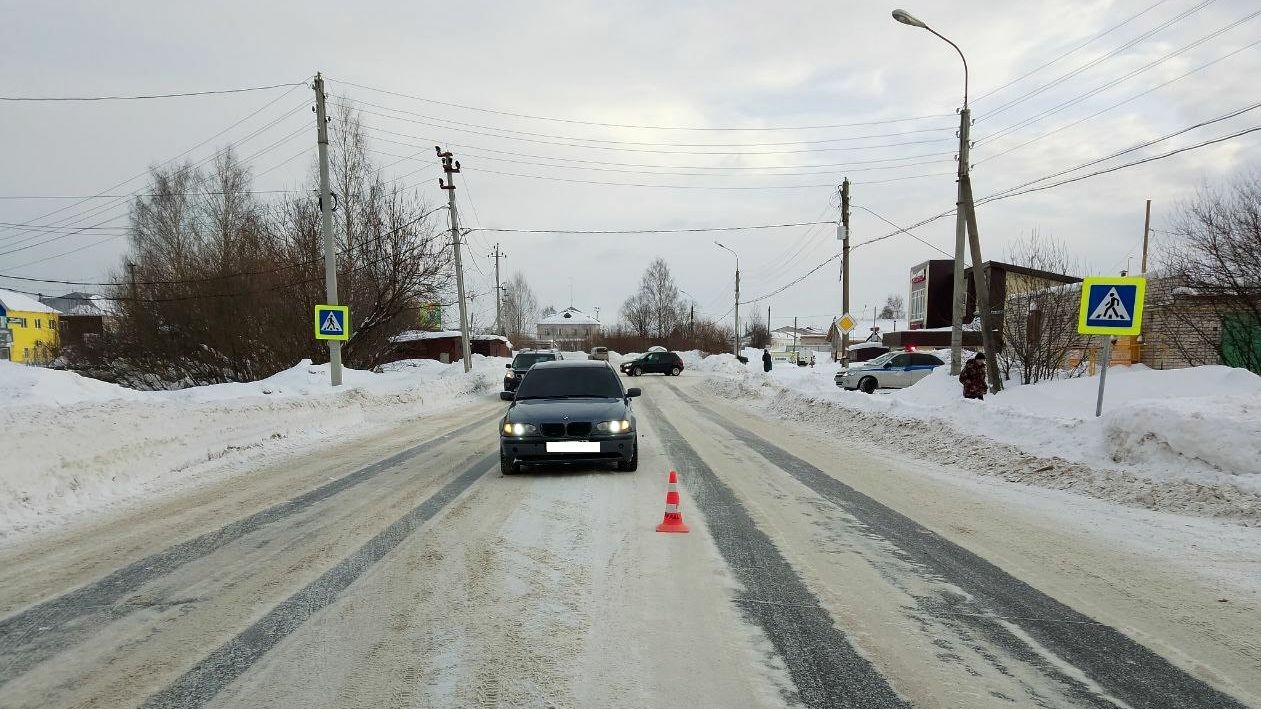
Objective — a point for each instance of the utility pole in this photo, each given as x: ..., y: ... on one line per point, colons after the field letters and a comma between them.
x: 961, y: 228
x: 326, y: 226
x: 1147, y: 230
x: 981, y: 283
x: 768, y: 320
x: 794, y: 337
x: 844, y: 229
x: 452, y: 167
x: 499, y: 322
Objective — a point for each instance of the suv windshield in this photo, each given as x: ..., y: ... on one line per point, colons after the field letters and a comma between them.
x: 563, y: 382
x: 526, y: 360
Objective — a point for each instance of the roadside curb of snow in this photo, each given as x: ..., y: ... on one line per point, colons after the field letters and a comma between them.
x: 934, y: 440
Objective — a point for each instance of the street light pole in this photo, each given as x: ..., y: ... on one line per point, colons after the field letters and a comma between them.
x: 962, y: 208
x: 735, y: 345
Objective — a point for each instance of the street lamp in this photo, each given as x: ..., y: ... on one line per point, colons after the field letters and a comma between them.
x: 735, y: 345
x: 965, y: 116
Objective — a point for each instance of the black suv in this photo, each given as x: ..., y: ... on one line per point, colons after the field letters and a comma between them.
x: 521, y: 364
x: 569, y: 412
x: 667, y: 363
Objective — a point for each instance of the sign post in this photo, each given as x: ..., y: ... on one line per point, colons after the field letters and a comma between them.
x: 1110, y: 306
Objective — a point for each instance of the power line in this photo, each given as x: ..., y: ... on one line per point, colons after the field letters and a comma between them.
x: 647, y: 150
x: 1065, y: 77
x: 148, y: 96
x: 1099, y: 89
x: 651, y: 231
x: 644, y: 127
x: 455, y: 125
x: 873, y: 213
x: 1120, y: 103
x: 1072, y: 51
x: 702, y: 187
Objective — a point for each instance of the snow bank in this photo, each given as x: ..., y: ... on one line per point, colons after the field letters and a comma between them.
x: 1187, y: 439
x: 76, y: 445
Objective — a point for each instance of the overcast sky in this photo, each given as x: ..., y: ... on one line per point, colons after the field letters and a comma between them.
x: 733, y: 64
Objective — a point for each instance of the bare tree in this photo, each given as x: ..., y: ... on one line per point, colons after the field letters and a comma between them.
x: 656, y: 308
x: 759, y: 335
x: 894, y: 308
x: 1210, y: 285
x: 520, y: 307
x: 225, y: 284
x: 548, y: 311
x: 1039, y: 324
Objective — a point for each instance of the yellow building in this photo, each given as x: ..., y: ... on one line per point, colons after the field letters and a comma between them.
x: 28, y: 329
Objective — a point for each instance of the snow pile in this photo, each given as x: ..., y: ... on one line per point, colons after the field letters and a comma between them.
x: 76, y: 445
x: 1187, y: 439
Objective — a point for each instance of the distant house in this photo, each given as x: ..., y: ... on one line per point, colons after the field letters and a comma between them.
x: 570, y: 326
x: 803, y: 338
x: 28, y: 329
x: 83, y: 316
x: 444, y: 345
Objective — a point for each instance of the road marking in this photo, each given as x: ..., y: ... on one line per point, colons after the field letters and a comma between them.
x: 32, y: 636
x: 1120, y: 666
x: 829, y: 673
x: 220, y: 668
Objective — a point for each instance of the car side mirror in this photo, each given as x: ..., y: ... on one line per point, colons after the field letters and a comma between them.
x: 632, y: 392
x: 507, y: 395
x: 508, y: 365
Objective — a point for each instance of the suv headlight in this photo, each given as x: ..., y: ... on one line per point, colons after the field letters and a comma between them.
x: 621, y: 426
x: 510, y: 375
x: 519, y: 429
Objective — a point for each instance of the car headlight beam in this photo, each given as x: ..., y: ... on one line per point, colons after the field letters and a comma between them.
x: 518, y: 429
x: 620, y: 426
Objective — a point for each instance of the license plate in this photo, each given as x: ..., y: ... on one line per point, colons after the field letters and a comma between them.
x: 573, y: 447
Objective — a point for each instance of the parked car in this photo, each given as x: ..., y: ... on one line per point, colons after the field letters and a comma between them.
x: 667, y: 363
x: 892, y: 370
x: 522, y: 363
x: 600, y: 353
x: 569, y: 412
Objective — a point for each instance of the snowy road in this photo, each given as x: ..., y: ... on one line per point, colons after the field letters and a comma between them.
x: 406, y: 571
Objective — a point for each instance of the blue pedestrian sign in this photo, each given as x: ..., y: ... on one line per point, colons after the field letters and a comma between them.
x: 1111, y: 306
x: 332, y: 322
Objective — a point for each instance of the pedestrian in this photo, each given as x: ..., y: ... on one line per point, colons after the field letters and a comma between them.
x: 812, y: 360
x: 973, y: 377
x: 766, y: 359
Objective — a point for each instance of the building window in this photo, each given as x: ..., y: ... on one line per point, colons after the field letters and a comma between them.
x: 17, y: 322
x: 38, y: 324
x: 919, y: 304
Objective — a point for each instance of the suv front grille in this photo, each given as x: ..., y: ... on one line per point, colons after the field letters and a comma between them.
x: 577, y: 428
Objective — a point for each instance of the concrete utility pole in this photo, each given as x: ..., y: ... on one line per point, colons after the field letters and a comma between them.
x: 768, y: 320
x: 326, y: 226
x: 1147, y: 230
x: 844, y: 235
x: 959, y: 298
x: 499, y: 322
x: 794, y: 336
x: 735, y: 345
x: 981, y: 281
x: 452, y: 167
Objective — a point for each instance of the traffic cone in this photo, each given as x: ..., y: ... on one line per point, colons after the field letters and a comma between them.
x: 673, y: 521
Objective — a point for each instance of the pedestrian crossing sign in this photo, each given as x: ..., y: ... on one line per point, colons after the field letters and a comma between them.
x: 1111, y: 306
x: 332, y: 322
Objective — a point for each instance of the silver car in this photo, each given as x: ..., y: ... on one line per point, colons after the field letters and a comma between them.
x: 891, y: 370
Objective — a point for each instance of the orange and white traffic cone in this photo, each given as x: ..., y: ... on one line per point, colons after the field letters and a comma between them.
x: 673, y: 521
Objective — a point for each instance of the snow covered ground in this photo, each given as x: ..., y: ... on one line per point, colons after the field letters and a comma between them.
x: 76, y: 445
x: 1187, y: 440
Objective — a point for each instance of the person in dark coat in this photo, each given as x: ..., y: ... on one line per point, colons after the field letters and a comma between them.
x: 973, y: 377
x: 766, y: 359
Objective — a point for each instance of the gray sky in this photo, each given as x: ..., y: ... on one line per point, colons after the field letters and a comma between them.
x: 699, y: 65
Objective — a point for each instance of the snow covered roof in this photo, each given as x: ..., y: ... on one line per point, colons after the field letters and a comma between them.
x: 12, y: 301
x: 866, y: 345
x: 569, y: 316
x: 83, y: 304
x: 414, y: 335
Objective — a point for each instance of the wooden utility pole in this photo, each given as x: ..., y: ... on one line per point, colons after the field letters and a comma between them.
x: 844, y: 229
x: 499, y: 322
x: 1147, y: 230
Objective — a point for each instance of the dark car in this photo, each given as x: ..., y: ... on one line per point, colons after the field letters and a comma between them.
x: 569, y: 412
x: 668, y: 363
x: 521, y: 364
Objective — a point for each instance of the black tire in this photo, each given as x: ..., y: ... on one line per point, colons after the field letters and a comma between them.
x: 867, y: 385
x: 630, y: 466
x: 675, y: 371
x: 507, y: 467
x: 635, y: 371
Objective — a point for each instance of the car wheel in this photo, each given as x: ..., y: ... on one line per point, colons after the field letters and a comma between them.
x: 675, y: 372
x: 867, y: 385
x: 630, y: 466
x: 635, y: 371
x: 507, y: 467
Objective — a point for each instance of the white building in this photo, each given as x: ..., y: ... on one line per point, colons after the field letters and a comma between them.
x: 569, y: 326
